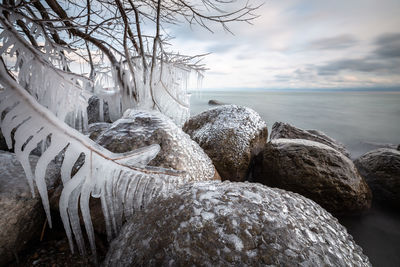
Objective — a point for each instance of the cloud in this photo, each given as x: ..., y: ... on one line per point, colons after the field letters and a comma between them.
x: 384, y: 59
x: 333, y: 43
x: 388, y: 45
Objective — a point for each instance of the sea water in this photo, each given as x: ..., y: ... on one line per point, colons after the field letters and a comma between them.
x: 360, y: 119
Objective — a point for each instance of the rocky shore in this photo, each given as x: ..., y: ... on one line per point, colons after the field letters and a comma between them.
x: 276, y: 205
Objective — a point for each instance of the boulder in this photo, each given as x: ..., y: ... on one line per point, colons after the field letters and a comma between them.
x: 138, y: 129
x: 93, y: 111
x: 97, y: 128
x: 231, y: 136
x: 22, y: 216
x: 3, y: 144
x: 285, y: 130
x: 234, y: 224
x: 213, y: 102
x: 381, y: 170
x: 313, y: 170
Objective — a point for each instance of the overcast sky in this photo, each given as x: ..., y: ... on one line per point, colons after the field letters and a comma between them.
x: 303, y: 44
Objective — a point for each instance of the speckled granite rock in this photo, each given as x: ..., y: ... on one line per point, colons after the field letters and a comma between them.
x: 316, y: 171
x: 95, y: 129
x: 21, y: 215
x: 381, y: 170
x: 285, y: 130
x: 234, y: 224
x: 139, y: 128
x: 231, y: 136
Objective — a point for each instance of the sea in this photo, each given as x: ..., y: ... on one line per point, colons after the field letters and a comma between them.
x: 361, y: 119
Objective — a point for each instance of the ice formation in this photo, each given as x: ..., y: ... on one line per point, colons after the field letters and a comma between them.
x: 116, y: 179
x: 60, y: 91
x: 164, y: 91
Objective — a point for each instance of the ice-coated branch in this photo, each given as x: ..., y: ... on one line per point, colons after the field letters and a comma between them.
x: 119, y: 180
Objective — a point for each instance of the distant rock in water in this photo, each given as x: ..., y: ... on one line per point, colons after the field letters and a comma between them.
x: 234, y: 224
x: 231, y: 136
x: 313, y: 170
x: 285, y: 130
x: 213, y: 102
x: 381, y: 170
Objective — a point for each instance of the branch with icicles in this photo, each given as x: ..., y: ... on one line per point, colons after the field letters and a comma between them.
x: 121, y: 181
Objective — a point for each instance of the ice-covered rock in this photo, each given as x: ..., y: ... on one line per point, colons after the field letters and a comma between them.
x: 234, y: 224
x: 230, y: 135
x: 97, y: 128
x: 313, y: 170
x: 21, y: 215
x: 3, y: 144
x: 97, y: 111
x: 142, y: 128
x: 381, y: 170
x: 285, y: 130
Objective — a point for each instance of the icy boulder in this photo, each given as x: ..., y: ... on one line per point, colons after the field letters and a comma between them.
x: 21, y: 215
x: 97, y: 128
x: 230, y: 135
x: 285, y: 130
x: 381, y: 170
x: 3, y: 144
x: 97, y: 110
x: 142, y: 128
x: 234, y: 224
x: 313, y: 170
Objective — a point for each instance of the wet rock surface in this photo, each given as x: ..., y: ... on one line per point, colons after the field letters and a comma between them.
x: 381, y: 170
x: 316, y: 171
x: 138, y: 129
x: 22, y: 216
x: 287, y: 131
x: 231, y: 224
x: 230, y: 135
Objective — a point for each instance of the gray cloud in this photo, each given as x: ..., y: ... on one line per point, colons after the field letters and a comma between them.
x: 332, y: 43
x: 388, y: 45
x: 384, y: 59
x: 361, y: 65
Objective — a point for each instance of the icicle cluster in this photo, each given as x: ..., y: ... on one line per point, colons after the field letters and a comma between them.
x: 119, y: 180
x: 61, y: 92
x: 166, y: 91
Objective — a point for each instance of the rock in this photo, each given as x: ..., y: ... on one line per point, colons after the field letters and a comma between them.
x: 22, y: 216
x: 139, y: 128
x: 398, y: 147
x: 230, y: 135
x: 234, y: 224
x: 285, y: 130
x: 93, y: 111
x: 97, y: 128
x: 381, y: 170
x: 215, y: 103
x: 316, y: 171
x: 3, y: 144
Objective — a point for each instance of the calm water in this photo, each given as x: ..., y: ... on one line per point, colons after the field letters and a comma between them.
x: 362, y: 120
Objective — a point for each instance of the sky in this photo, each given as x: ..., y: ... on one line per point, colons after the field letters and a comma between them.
x: 302, y: 44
